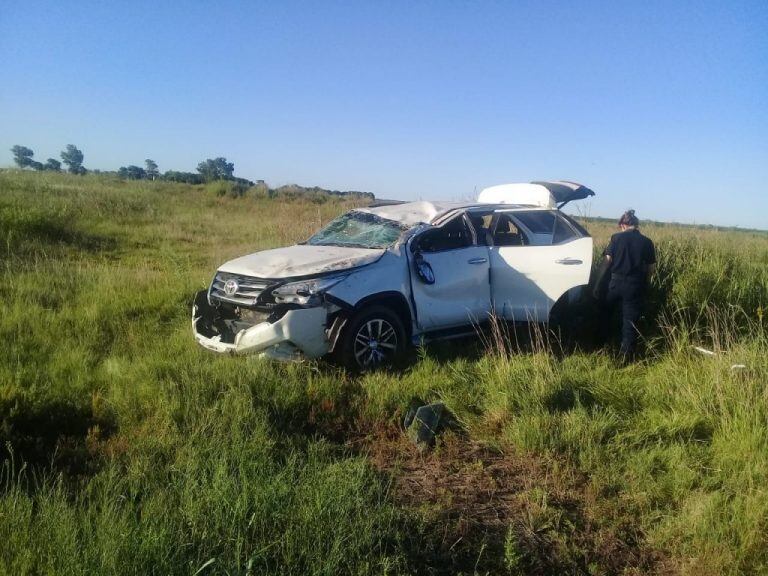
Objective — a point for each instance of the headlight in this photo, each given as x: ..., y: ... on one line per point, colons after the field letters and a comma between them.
x: 306, y: 291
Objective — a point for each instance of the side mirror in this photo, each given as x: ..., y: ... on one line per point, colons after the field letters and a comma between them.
x: 423, y: 269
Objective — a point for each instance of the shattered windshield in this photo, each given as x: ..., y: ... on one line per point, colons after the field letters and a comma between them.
x: 358, y: 230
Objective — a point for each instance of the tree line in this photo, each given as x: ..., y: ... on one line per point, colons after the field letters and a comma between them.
x: 71, y: 156
x: 207, y: 171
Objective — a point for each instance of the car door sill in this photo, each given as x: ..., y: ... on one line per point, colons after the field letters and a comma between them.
x: 446, y: 334
x: 465, y: 331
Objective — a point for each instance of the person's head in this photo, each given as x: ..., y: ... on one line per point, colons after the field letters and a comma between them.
x: 628, y: 220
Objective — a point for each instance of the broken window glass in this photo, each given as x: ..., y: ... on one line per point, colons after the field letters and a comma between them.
x: 359, y: 230
x: 450, y: 236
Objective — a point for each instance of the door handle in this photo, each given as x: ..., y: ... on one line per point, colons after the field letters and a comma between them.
x: 569, y: 261
x: 477, y: 260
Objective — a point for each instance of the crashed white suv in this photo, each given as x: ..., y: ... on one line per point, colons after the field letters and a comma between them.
x: 376, y: 279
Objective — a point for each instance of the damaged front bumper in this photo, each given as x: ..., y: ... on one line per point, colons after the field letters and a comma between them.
x: 288, y: 335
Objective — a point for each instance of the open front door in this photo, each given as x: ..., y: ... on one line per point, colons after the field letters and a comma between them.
x: 460, y: 293
x: 532, y: 269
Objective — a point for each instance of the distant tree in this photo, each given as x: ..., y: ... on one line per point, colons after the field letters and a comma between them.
x: 73, y: 158
x: 35, y: 165
x: 136, y: 172
x: 52, y: 165
x: 22, y: 156
x: 152, y: 171
x: 185, y: 177
x: 132, y: 172
x: 216, y: 169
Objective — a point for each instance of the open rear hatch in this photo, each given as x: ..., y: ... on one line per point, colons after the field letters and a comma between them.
x: 544, y: 194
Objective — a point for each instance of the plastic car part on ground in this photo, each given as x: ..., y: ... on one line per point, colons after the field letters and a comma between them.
x: 424, y: 422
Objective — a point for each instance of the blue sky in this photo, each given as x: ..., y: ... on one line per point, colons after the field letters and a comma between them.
x: 659, y: 106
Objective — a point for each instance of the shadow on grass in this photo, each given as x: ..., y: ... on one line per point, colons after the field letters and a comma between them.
x: 57, y: 233
x: 568, y: 397
x: 27, y: 234
x: 56, y: 437
x: 333, y: 417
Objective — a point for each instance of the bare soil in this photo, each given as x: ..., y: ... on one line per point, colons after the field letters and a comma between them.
x: 490, y: 511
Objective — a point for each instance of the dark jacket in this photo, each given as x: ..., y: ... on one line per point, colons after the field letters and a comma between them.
x: 631, y: 254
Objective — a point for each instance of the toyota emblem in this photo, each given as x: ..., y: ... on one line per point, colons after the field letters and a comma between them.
x: 230, y: 287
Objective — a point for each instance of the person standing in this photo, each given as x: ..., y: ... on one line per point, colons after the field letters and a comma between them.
x: 632, y: 260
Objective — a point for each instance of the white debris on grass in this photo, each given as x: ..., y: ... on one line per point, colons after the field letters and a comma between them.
x: 706, y: 352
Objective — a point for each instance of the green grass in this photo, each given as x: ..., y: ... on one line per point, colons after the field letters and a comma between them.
x: 130, y: 450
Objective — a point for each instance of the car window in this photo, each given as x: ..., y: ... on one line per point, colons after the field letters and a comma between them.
x: 451, y: 235
x: 537, y: 221
x: 507, y: 233
x: 580, y: 230
x: 481, y: 222
x: 360, y: 230
x: 564, y: 232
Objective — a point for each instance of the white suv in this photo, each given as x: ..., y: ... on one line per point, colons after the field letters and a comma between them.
x: 376, y: 279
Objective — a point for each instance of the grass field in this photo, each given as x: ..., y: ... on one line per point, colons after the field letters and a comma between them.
x: 129, y: 450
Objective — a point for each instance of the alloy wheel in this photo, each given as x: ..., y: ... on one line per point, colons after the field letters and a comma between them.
x: 375, y: 343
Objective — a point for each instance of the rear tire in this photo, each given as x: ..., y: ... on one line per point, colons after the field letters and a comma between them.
x: 373, y: 338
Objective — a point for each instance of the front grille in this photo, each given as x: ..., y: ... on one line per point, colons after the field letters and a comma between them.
x: 248, y: 289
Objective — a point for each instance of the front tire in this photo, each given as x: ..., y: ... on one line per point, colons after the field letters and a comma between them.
x: 373, y: 338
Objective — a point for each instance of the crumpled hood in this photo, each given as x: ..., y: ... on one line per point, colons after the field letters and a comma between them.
x: 300, y: 260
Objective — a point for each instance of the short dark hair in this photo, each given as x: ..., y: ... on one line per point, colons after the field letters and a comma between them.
x: 629, y: 219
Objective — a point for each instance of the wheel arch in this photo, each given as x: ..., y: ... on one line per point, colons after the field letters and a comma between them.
x: 392, y: 299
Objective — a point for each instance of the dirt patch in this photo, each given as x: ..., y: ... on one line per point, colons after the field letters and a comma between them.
x: 489, y: 511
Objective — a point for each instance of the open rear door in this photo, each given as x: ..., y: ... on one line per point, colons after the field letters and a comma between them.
x: 530, y: 271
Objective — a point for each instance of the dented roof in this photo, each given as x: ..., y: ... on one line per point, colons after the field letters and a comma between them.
x: 528, y: 195
x: 413, y: 213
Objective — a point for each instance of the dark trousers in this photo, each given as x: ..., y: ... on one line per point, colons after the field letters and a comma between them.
x: 629, y: 293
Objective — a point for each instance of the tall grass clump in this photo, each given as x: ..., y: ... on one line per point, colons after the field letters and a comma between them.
x: 699, y: 269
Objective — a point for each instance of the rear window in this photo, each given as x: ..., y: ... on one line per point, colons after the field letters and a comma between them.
x: 564, y: 232
x: 538, y: 222
x: 507, y: 233
x: 576, y: 226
